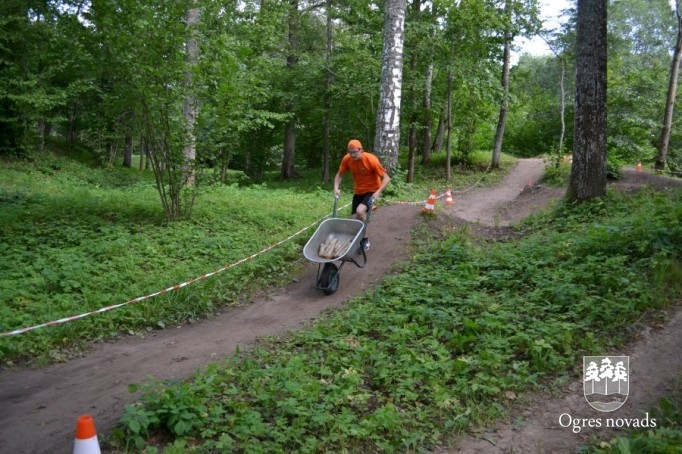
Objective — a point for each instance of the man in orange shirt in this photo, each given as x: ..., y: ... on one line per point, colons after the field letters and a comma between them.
x: 369, y: 179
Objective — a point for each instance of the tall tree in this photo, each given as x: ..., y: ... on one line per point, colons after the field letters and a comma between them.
x: 288, y: 160
x: 588, y: 172
x: 328, y: 80
x: 387, y: 136
x: 426, y: 105
x: 506, y: 62
x: 190, y: 103
x: 641, y: 37
x: 520, y: 18
x: 664, y: 140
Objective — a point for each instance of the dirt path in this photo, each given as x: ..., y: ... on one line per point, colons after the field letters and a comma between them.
x: 491, y: 206
x: 40, y: 407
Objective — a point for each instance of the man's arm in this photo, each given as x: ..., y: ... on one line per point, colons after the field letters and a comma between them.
x: 337, y: 184
x: 384, y: 182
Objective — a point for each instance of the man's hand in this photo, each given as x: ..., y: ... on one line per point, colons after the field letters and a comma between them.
x: 337, y: 192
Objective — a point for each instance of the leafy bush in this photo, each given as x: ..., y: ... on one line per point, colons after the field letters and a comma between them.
x: 613, y: 170
x: 556, y: 173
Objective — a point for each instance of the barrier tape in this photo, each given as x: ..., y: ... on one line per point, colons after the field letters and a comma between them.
x: 160, y: 292
x: 192, y: 281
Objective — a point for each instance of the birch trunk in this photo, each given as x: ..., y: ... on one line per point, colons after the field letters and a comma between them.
x: 387, y: 137
x: 502, y: 120
x: 190, y: 104
x: 672, y: 94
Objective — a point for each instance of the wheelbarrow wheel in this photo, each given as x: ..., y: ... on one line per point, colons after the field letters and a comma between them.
x: 329, y: 279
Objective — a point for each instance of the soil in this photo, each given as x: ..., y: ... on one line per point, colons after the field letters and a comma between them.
x: 41, y: 406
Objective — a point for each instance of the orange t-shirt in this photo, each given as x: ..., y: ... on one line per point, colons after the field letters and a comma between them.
x: 367, y: 172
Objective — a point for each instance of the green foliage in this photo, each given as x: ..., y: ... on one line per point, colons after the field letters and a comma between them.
x: 534, y: 123
x: 436, y: 348
x: 76, y: 239
x: 556, y: 172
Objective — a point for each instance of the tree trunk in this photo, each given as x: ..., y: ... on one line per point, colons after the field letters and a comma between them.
x: 42, y: 128
x: 387, y: 138
x: 289, y: 157
x: 440, y: 130
x: 328, y: 80
x: 502, y: 120
x: 563, y: 111
x: 411, y: 145
x: 128, y: 152
x: 147, y: 154
x: 448, y: 147
x: 414, y: 114
x: 140, y: 166
x: 224, y: 164
x: 412, y: 130
x: 426, y: 141
x: 289, y: 150
x: 588, y: 173
x: 672, y: 94
x: 190, y: 103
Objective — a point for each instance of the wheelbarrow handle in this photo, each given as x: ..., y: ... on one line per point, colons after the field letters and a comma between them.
x: 370, y: 204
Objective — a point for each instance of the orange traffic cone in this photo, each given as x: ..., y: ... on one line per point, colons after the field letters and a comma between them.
x: 86, y: 437
x: 448, y: 197
x: 639, y: 166
x: 430, y: 204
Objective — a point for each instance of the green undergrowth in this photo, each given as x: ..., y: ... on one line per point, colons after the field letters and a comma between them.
x: 666, y: 438
x: 76, y: 237
x: 436, y: 349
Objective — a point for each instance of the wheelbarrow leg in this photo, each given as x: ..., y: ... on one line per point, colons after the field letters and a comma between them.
x: 328, y: 277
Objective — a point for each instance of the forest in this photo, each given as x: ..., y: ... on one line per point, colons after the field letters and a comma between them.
x: 261, y: 85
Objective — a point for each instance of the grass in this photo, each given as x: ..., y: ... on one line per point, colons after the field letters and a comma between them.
x: 75, y: 238
x: 436, y: 349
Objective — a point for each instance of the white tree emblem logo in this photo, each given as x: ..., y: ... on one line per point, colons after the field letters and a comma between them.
x: 605, y: 381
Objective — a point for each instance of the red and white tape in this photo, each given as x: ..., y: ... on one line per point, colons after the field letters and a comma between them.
x: 160, y: 292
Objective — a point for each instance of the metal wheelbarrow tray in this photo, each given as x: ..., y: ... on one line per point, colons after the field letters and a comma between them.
x: 350, y: 231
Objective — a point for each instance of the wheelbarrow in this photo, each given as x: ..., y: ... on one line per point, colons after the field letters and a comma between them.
x: 336, y: 240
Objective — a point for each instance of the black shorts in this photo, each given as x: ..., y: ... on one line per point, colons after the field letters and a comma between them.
x: 361, y: 199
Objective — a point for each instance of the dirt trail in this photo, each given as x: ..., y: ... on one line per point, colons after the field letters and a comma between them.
x: 40, y: 407
x: 490, y: 206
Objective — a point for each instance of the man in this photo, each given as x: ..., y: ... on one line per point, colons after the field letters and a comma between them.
x: 369, y: 179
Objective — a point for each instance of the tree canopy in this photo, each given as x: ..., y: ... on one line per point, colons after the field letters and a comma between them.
x: 286, y: 84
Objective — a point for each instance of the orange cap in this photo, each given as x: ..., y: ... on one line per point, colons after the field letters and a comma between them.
x: 85, y: 428
x: 355, y: 144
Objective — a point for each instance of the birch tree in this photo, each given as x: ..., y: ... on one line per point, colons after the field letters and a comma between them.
x: 664, y: 140
x: 506, y: 61
x: 387, y: 137
x: 288, y: 159
x: 190, y: 104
